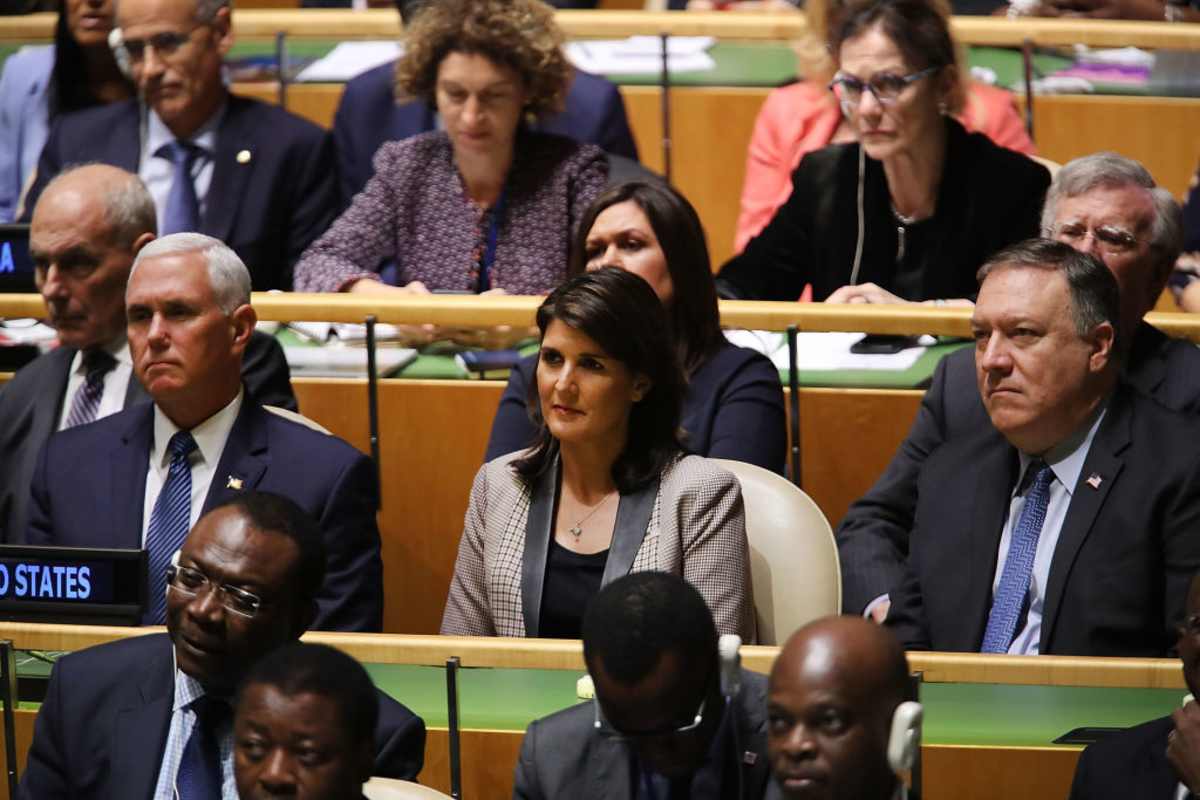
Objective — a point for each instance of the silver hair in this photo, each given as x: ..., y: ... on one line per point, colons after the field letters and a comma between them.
x: 128, y: 206
x: 227, y: 274
x: 1111, y: 170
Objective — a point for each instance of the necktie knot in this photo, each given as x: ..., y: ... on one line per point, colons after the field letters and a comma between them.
x: 181, y: 154
x: 1038, y: 477
x: 98, y: 363
x: 210, y: 711
x: 181, y: 445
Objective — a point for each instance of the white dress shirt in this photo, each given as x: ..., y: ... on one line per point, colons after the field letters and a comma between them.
x: 1066, y: 462
x: 183, y: 719
x: 210, y: 437
x: 158, y: 173
x: 116, y: 382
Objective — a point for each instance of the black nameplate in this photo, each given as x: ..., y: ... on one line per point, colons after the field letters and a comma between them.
x: 71, y: 584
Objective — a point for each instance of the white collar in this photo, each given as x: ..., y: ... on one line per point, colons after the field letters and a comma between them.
x: 210, y: 435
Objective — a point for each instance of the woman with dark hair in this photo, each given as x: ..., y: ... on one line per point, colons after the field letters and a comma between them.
x: 733, y: 404
x: 39, y: 83
x: 606, y: 489
x: 909, y: 210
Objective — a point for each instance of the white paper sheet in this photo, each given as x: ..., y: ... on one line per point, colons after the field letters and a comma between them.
x: 824, y: 351
x: 336, y: 361
x: 641, y: 55
x: 349, y: 59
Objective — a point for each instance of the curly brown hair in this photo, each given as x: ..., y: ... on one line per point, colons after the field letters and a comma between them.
x: 519, y: 34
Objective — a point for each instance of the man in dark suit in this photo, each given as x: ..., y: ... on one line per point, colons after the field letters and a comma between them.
x: 669, y: 718
x: 242, y: 171
x: 149, y: 716
x: 87, y: 228
x: 837, y: 686
x: 1106, y: 205
x: 369, y: 115
x: 1160, y: 758
x: 140, y: 478
x: 1067, y: 525
x: 307, y: 693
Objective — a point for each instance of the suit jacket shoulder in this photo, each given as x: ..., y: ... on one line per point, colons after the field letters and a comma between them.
x: 1132, y: 763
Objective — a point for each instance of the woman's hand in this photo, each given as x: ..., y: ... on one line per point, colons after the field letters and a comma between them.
x: 372, y: 286
x: 864, y: 293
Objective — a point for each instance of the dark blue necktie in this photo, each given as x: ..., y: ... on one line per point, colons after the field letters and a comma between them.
x: 183, y: 208
x: 96, y: 364
x: 169, y: 523
x: 1014, y: 581
x: 200, y: 776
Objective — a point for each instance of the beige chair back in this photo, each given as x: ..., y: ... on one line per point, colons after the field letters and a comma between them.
x: 793, y: 556
x: 392, y: 789
x: 299, y: 419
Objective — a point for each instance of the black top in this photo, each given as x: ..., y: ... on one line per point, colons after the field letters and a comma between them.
x: 572, y: 580
x: 989, y: 197
x: 733, y: 408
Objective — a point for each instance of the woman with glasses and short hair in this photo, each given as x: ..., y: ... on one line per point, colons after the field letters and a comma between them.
x: 911, y: 209
x: 607, y: 488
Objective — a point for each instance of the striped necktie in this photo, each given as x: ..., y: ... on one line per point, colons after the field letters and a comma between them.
x: 200, y: 776
x: 182, y: 214
x: 96, y: 364
x: 169, y: 523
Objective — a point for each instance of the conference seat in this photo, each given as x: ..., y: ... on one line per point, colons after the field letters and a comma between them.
x: 298, y: 418
x: 794, y: 567
x: 393, y: 789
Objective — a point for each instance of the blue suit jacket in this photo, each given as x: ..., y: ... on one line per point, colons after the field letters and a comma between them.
x: 90, y: 483
x: 369, y: 115
x: 267, y: 207
x: 103, y: 726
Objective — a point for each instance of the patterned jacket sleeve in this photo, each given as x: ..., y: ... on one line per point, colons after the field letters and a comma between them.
x: 468, y: 612
x: 587, y: 184
x: 365, y: 234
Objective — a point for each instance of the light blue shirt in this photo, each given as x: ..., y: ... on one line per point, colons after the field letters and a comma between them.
x: 1066, y: 462
x: 183, y: 719
x: 24, y: 121
x: 157, y: 172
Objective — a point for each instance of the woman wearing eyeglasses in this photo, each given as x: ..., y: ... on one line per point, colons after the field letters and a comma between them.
x: 909, y: 211
x: 607, y: 489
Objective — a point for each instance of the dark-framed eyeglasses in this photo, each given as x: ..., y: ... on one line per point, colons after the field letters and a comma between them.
x: 191, y: 582
x: 166, y: 44
x: 601, y: 724
x: 1109, y: 238
x: 886, y: 86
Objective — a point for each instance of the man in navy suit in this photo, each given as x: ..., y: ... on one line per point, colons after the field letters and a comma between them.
x: 87, y: 228
x: 245, y: 172
x: 1157, y: 759
x: 140, y: 478
x: 132, y: 718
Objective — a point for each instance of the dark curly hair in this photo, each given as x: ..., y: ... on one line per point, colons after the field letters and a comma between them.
x: 519, y: 34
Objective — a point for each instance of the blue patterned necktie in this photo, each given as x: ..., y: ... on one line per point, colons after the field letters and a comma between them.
x: 96, y: 364
x: 183, y: 208
x: 1014, y: 581
x: 169, y: 523
x: 200, y: 776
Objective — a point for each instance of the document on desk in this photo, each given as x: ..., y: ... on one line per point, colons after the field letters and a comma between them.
x: 349, y: 59
x: 823, y: 352
x: 335, y: 361
x: 642, y: 55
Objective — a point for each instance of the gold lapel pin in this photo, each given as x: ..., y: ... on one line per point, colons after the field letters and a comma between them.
x: 234, y: 483
x: 243, y: 157
x: 1094, y: 480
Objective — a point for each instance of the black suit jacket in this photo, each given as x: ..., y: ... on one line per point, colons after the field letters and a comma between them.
x: 1128, y: 764
x: 1125, y: 555
x: 31, y: 405
x: 873, y: 536
x: 90, y: 482
x: 564, y: 756
x: 368, y: 115
x: 267, y: 207
x: 102, y: 728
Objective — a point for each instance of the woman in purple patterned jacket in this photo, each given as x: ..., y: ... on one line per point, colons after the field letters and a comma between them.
x: 484, y: 204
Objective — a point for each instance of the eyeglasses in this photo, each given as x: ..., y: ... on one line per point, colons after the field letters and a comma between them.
x: 885, y: 86
x: 191, y: 582
x: 602, y: 725
x: 166, y: 44
x: 1190, y: 626
x: 1110, y: 238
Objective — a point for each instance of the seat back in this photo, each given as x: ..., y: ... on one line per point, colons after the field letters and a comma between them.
x: 793, y: 556
x: 297, y: 418
x: 393, y: 789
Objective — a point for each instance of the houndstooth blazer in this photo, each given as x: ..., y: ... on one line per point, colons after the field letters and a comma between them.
x: 690, y: 522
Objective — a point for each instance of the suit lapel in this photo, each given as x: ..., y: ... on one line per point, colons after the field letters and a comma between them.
x: 244, y: 459
x: 134, y: 393
x: 1102, y: 460
x: 46, y: 415
x: 409, y: 119
x: 611, y: 772
x: 996, y: 477
x: 232, y: 164
x: 124, y: 140
x: 538, y: 524
x: 752, y: 738
x: 141, y: 726
x: 633, y: 517
x: 126, y: 478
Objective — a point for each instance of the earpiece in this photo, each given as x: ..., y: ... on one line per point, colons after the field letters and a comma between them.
x: 905, y: 738
x: 731, y: 665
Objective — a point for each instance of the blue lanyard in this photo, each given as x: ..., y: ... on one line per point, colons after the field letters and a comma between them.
x: 493, y: 233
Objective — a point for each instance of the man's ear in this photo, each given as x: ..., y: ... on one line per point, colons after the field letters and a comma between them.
x: 243, y: 319
x: 223, y: 28
x: 140, y: 242
x: 1103, y: 337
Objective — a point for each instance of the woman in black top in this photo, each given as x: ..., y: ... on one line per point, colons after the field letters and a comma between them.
x: 911, y: 210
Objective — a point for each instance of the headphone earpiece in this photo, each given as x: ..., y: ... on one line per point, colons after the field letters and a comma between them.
x: 731, y: 665
x: 905, y: 738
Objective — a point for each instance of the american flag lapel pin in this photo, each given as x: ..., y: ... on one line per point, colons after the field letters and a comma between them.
x: 749, y: 758
x: 1094, y: 480
x: 233, y: 482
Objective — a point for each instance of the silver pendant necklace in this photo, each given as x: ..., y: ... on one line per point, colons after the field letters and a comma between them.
x: 576, y: 530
